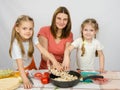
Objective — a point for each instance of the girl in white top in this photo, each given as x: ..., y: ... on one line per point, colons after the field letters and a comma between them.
x: 87, y: 47
x: 22, y: 48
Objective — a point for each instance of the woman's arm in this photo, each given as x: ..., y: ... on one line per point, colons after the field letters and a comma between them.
x: 101, y: 60
x: 44, y: 42
x: 27, y: 84
x: 49, y: 56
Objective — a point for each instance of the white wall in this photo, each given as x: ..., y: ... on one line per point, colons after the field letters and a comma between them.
x: 106, y: 12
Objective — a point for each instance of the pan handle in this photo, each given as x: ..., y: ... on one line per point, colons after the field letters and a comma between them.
x: 91, y: 77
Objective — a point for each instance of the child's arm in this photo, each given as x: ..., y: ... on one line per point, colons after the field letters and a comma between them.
x: 101, y: 60
x: 66, y: 61
x: 27, y: 84
x: 50, y: 56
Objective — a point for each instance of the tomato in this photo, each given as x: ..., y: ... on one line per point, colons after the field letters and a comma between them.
x: 44, y: 80
x: 46, y: 74
x: 38, y: 75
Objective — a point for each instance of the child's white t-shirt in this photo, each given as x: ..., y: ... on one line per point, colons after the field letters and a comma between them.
x: 16, y: 53
x: 86, y: 62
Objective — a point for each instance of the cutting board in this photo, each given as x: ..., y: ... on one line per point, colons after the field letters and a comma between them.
x: 11, y: 83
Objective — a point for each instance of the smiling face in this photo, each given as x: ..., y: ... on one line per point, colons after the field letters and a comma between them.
x: 89, y: 28
x: 25, y: 30
x: 61, y: 20
x: 88, y: 32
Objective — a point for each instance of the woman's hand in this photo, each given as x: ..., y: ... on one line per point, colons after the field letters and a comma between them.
x: 55, y: 63
x: 57, y: 66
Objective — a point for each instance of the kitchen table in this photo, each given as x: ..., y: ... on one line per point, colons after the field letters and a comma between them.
x: 112, y: 84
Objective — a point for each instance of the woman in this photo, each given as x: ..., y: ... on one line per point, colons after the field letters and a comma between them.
x: 57, y: 37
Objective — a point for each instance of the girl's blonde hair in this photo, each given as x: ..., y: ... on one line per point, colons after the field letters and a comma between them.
x: 15, y: 35
x: 94, y: 24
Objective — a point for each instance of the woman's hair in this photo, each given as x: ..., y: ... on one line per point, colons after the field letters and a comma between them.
x: 66, y: 31
x: 94, y: 24
x: 16, y: 35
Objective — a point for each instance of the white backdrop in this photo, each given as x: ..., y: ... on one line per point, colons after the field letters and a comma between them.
x: 106, y: 12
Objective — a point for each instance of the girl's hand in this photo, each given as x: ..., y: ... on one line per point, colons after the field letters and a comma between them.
x: 102, y: 70
x: 27, y: 84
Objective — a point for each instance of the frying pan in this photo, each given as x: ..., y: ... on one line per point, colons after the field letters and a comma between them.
x: 66, y: 84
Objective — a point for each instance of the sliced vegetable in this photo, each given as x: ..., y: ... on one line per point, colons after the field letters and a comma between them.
x: 38, y: 75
